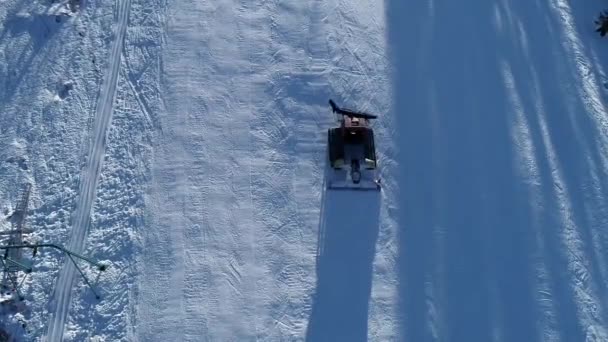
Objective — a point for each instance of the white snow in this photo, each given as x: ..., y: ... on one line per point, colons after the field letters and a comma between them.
x: 182, y: 143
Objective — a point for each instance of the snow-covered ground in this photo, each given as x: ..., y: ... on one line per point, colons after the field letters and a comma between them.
x: 182, y: 143
x: 236, y: 185
x: 503, y: 187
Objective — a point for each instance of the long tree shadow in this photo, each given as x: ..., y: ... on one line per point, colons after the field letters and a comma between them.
x: 348, y: 230
x: 33, y: 32
x: 466, y: 228
x: 567, y: 134
x: 501, y: 189
x: 581, y: 139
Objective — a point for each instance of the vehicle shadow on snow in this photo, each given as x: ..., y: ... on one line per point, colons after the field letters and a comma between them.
x: 482, y: 250
x: 348, y: 229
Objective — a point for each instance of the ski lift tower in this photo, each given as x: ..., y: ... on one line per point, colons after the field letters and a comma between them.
x: 11, y: 258
x: 16, y: 234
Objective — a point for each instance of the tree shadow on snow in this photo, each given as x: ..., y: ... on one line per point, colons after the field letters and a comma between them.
x: 578, y: 146
x: 348, y: 230
x: 583, y: 142
x: 476, y: 231
x: 40, y: 29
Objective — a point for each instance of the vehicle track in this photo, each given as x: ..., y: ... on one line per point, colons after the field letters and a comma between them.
x: 90, y: 175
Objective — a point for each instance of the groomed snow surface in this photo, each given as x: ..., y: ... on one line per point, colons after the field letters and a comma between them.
x: 182, y: 143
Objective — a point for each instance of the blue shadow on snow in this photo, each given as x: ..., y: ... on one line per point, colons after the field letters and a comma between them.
x: 348, y: 230
x: 468, y: 229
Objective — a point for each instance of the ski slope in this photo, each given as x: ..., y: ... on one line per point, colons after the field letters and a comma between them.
x: 238, y: 178
x: 183, y: 145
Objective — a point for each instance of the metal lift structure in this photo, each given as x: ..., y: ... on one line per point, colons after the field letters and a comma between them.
x: 15, y: 268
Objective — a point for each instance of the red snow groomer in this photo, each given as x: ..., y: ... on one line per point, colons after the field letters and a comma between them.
x: 352, y: 151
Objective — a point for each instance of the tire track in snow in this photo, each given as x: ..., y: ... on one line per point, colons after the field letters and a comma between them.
x: 90, y: 175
